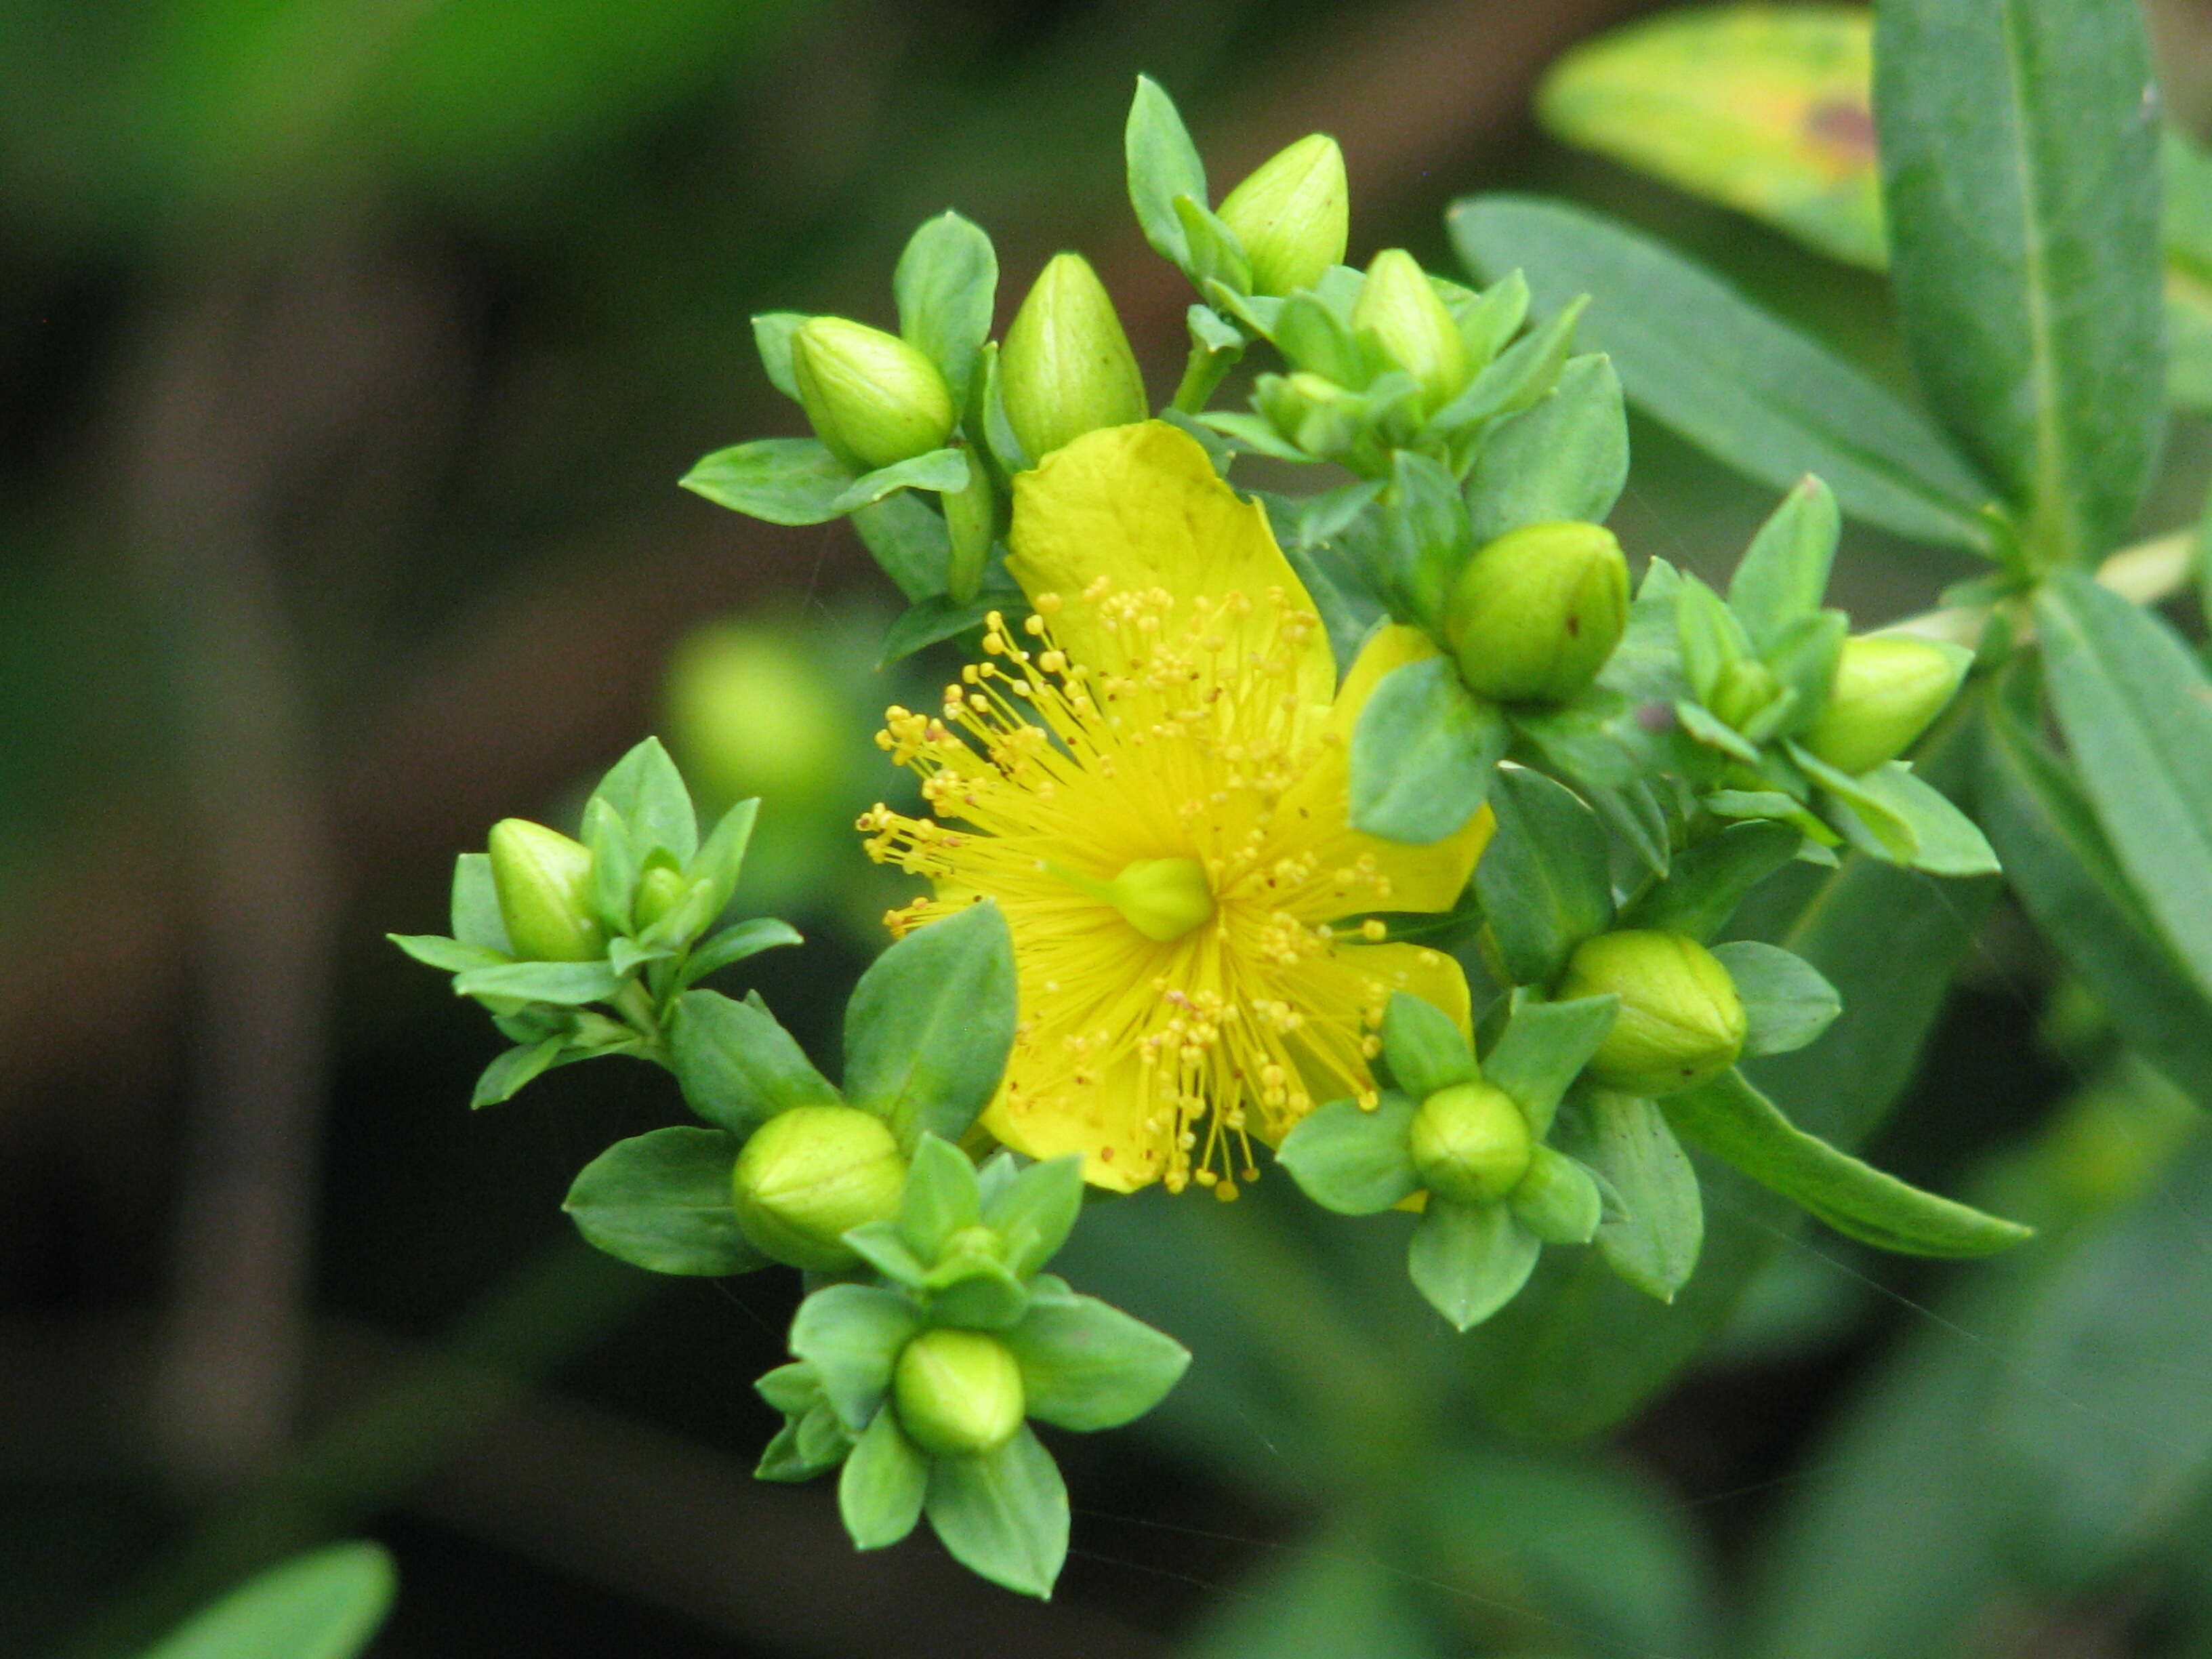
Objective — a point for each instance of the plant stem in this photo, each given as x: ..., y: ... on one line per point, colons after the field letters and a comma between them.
x: 1202, y: 371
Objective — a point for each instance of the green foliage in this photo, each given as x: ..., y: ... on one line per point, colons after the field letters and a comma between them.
x: 325, y: 1605
x: 661, y: 1201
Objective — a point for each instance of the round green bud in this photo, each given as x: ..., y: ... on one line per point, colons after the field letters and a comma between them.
x: 543, y: 881
x: 1065, y: 368
x: 658, y: 889
x: 1885, y: 692
x: 958, y: 1392
x: 1535, y: 615
x: 872, y: 399
x: 1470, y: 1142
x: 1397, y: 305
x: 1746, y: 687
x: 1680, y: 1020
x: 1292, y: 214
x: 811, y: 1173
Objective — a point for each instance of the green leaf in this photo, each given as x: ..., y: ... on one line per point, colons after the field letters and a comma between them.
x: 1338, y: 1597
x: 977, y: 1292
x: 647, y: 792
x: 946, y: 284
x: 448, y: 955
x: 811, y: 1444
x: 851, y: 1335
x: 1003, y: 1516
x: 1787, y: 1003
x: 1036, y: 1211
x: 1164, y: 164
x: 1710, y: 638
x: 1564, y: 457
x: 1522, y: 374
x: 908, y: 539
x: 1427, y: 532
x: 514, y: 1070
x: 1558, y: 1200
x: 782, y: 480
x: 476, y: 915
x: 1086, y: 1365
x: 1543, y: 879
x: 1865, y: 815
x: 1710, y: 878
x: 721, y: 858
x: 1750, y: 391
x: 1353, y: 1161
x: 1945, y: 842
x: 1424, y: 1047
x: 941, y: 469
x: 736, y: 1065
x: 2065, y: 872
x: 661, y: 1201
x: 566, y: 984
x: 1470, y: 1260
x: 1654, y: 1243
x: 2020, y: 170
x: 771, y: 332
x: 1735, y: 1121
x: 1216, y: 256
x: 939, y: 617
x: 1423, y: 754
x: 940, y: 1198
x: 880, y: 1494
x: 1784, y: 571
x: 1543, y: 1049
x: 2136, y: 712
x: 734, y: 944
x: 793, y: 1389
x: 931, y: 1023
x: 1762, y: 108
x: 614, y: 869
x: 327, y: 1604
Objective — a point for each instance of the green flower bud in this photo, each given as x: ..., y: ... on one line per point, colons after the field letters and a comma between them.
x: 873, y: 398
x: 1402, y: 310
x: 544, y: 880
x: 658, y: 889
x: 1746, y: 687
x: 1887, y: 690
x: 1292, y: 214
x: 1680, y: 1020
x: 958, y: 1392
x: 1535, y: 615
x: 809, y: 1174
x: 1470, y: 1142
x: 1066, y: 368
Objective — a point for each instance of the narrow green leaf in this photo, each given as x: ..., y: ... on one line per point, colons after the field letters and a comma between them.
x: 1216, y: 256
x: 1522, y: 374
x: 1426, y: 532
x: 931, y: 1023
x: 1784, y: 571
x: 880, y: 1494
x: 2018, y: 153
x: 647, y: 793
x: 1086, y: 1365
x: 1709, y: 878
x: 327, y: 1604
x: 1749, y: 390
x: 738, y: 1066
x: 2136, y: 711
x: 476, y: 915
x: 941, y: 469
x: 1543, y: 879
x: 946, y: 282
x: 1654, y: 1243
x: 1735, y: 1121
x: 448, y: 955
x: 908, y: 539
x: 939, y: 617
x: 940, y: 1198
x: 734, y: 944
x: 1164, y: 164
x: 1423, y: 754
x: 1787, y: 1003
x: 566, y: 984
x: 661, y: 1201
x: 771, y: 332
x: 851, y: 1335
x: 782, y: 480
x: 1003, y: 1516
x: 1564, y: 457
x: 1558, y: 1201
x: 1353, y: 1161
x: 1470, y: 1260
x: 1424, y: 1047
x: 1036, y: 1211
x: 720, y: 859
x: 1543, y: 1050
x: 514, y: 1070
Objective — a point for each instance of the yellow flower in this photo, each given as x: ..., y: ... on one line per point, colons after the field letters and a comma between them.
x: 1149, y: 776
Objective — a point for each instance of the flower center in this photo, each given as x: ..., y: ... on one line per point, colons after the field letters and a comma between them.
x: 1163, y: 898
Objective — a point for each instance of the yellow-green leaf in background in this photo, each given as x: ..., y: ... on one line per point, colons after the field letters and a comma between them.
x: 1764, y: 108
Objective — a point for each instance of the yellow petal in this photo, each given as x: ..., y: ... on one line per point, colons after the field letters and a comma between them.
x: 1119, y: 1154
x: 1421, y: 877
x: 1141, y: 507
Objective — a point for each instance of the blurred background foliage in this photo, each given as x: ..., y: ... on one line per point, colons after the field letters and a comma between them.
x: 349, y: 354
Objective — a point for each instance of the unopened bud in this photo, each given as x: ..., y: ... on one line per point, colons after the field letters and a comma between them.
x: 809, y: 1174
x: 1470, y: 1142
x: 658, y: 890
x: 1746, y: 687
x: 1558, y: 1200
x: 958, y: 1392
x: 543, y: 881
x: 1535, y: 615
x: 1066, y: 368
x: 873, y: 398
x: 1887, y: 690
x: 1399, y: 308
x: 1680, y: 1020
x: 1292, y: 214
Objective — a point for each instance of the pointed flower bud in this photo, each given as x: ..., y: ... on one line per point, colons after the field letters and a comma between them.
x: 1066, y: 368
x: 658, y: 889
x: 958, y: 1392
x: 1470, y: 1143
x: 811, y: 1173
x: 1292, y: 214
x: 1680, y: 1020
x: 543, y: 881
x: 1535, y: 615
x: 1887, y: 690
x: 872, y: 399
x: 1746, y: 686
x: 1397, y: 305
